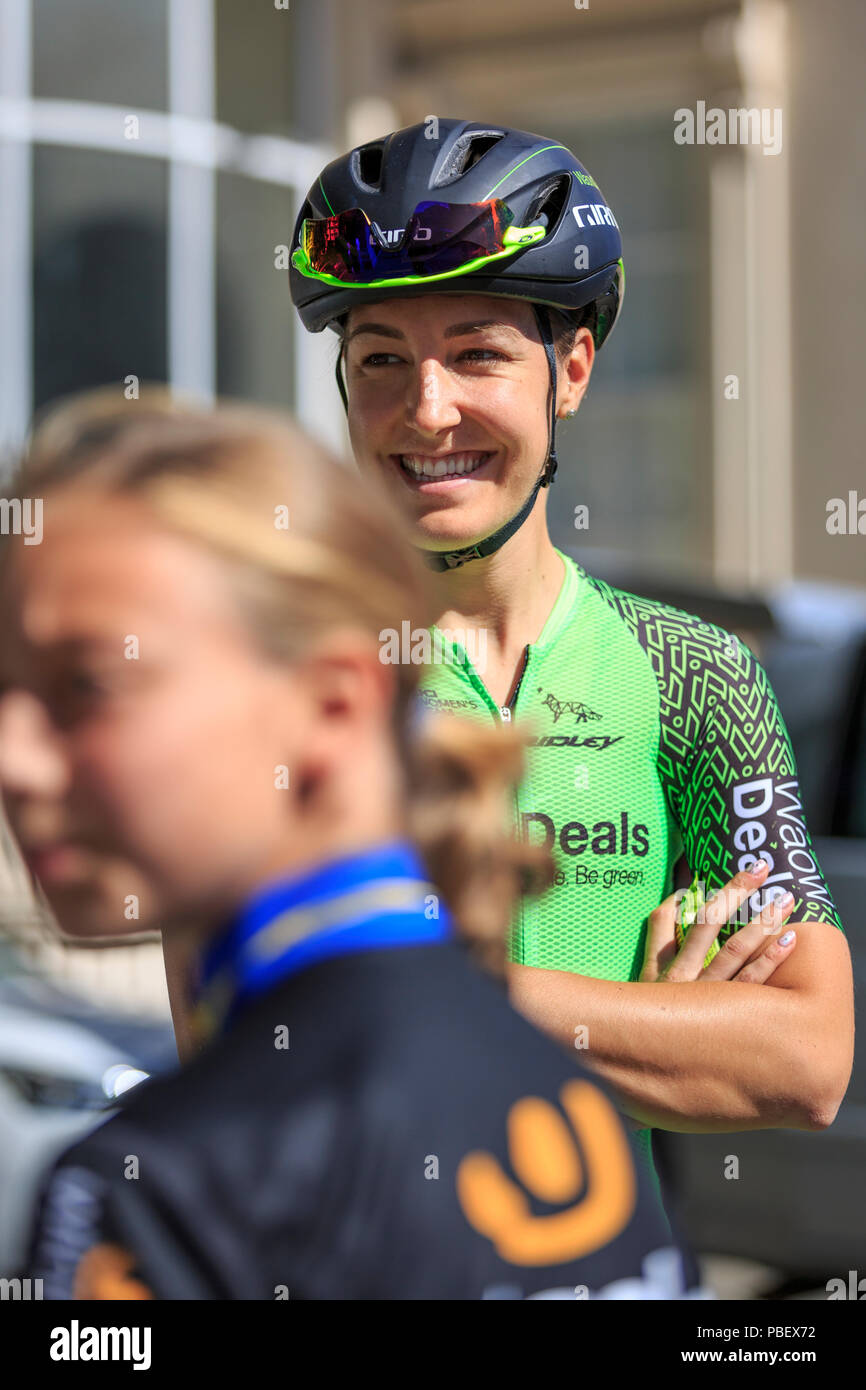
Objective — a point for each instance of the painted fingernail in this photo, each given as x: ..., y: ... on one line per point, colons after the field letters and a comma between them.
x: 786, y: 902
x: 757, y: 868
x: 787, y: 938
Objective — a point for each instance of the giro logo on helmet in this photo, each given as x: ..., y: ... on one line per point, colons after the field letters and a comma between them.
x: 596, y: 215
x: 392, y: 235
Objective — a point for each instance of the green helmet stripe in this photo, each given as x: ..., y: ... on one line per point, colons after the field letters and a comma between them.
x: 326, y: 198
x: 520, y: 165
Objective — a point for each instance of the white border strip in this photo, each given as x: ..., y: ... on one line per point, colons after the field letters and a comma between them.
x: 16, y: 237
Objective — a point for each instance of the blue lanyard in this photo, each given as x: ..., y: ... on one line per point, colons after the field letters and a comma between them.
x: 374, y: 899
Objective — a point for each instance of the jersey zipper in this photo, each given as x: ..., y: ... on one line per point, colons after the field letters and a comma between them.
x: 506, y: 711
x: 502, y: 713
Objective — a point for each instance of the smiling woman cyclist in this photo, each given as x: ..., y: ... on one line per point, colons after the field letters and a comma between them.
x: 471, y: 279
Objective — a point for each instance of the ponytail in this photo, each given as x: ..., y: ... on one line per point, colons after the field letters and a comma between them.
x: 461, y: 783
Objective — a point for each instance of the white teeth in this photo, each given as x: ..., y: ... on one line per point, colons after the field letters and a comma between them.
x: 450, y: 466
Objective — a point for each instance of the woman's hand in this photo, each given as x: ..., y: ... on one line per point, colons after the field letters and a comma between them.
x: 746, y: 956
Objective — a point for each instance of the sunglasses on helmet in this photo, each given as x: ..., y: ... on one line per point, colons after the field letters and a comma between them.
x: 438, y: 241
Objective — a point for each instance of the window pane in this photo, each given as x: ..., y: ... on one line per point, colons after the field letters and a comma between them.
x: 255, y: 50
x: 254, y: 310
x: 99, y: 269
x: 112, y: 51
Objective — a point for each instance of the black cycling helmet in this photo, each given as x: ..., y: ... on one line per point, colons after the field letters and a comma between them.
x: 393, y: 221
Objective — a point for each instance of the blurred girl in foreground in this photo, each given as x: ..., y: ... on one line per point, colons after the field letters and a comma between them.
x: 197, y: 648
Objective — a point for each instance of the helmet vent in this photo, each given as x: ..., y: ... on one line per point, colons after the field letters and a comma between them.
x: 465, y: 154
x: 549, y: 203
x: 366, y: 166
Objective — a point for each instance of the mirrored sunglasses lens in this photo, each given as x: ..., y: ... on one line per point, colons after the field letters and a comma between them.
x: 439, y: 237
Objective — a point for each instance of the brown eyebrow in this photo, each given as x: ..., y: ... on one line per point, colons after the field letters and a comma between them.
x: 454, y: 330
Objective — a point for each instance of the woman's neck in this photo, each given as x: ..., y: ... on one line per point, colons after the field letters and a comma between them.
x: 359, y: 807
x: 509, y: 594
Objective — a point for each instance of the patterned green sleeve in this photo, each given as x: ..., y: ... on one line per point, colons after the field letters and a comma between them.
x: 725, y: 760
x: 730, y: 774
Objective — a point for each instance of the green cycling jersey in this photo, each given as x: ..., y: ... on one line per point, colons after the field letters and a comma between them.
x: 652, y: 734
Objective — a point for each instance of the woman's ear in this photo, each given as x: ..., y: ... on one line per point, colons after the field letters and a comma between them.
x: 345, y: 695
x: 347, y: 687
x: 576, y: 371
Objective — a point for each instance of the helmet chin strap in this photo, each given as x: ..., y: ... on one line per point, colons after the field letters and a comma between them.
x: 453, y: 559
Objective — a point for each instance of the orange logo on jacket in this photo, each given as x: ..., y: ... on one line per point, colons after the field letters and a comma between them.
x: 595, y: 1175
x: 105, y: 1272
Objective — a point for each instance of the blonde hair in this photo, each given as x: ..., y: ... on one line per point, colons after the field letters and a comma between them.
x: 220, y: 477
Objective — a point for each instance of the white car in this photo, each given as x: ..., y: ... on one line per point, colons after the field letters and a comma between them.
x: 60, y: 1077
